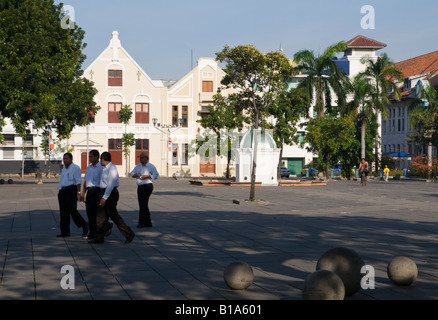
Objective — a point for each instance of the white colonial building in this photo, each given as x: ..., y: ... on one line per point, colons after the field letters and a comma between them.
x: 418, y: 73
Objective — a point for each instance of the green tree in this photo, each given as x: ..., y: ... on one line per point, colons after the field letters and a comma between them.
x: 361, y: 107
x: 423, y: 117
x: 224, y: 121
x: 349, y: 155
x: 128, y: 139
x: 257, y: 78
x: 323, y: 77
x: 289, y: 107
x: 328, y: 135
x: 381, y: 74
x: 40, y: 68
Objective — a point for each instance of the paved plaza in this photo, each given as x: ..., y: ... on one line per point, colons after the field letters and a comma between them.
x: 198, y: 230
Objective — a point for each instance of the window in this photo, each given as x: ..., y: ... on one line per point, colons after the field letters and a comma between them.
x: 175, y: 115
x: 142, y: 113
x: 115, y: 78
x: 8, y: 153
x: 115, y: 148
x: 9, y: 139
x: 141, y: 145
x: 407, y: 84
x: 207, y: 86
x: 184, y: 115
x: 113, y: 110
x: 185, y: 155
x: 174, y: 154
x: 301, y: 135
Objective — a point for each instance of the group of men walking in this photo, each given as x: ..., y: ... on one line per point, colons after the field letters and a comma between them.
x: 99, y: 191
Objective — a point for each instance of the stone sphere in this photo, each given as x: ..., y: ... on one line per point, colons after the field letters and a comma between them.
x: 347, y: 264
x: 238, y: 275
x: 323, y: 285
x: 402, y: 271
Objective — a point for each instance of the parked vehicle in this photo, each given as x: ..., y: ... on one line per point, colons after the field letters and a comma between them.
x: 284, y: 172
x: 312, y: 170
x: 337, y: 168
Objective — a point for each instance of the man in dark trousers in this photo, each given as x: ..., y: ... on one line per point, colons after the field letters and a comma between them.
x: 68, y: 196
x: 109, y: 196
x: 91, y: 187
x: 145, y: 172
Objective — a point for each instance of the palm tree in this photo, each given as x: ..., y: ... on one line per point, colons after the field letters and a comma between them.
x: 323, y: 76
x: 423, y: 115
x: 381, y: 74
x: 361, y: 107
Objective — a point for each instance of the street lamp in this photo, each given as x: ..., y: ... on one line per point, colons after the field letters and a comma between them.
x: 157, y: 126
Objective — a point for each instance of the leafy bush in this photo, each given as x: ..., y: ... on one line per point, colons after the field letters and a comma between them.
x: 421, y: 168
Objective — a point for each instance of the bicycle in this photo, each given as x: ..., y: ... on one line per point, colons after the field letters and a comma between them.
x: 363, y: 178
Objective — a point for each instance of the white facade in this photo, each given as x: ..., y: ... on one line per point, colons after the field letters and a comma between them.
x: 419, y: 73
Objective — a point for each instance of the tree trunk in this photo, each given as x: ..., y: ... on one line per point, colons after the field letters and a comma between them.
x: 227, y: 174
x: 279, y: 164
x: 327, y: 166
x: 254, y: 158
x: 362, y: 138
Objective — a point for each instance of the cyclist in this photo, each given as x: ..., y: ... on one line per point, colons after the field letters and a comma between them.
x: 363, y: 167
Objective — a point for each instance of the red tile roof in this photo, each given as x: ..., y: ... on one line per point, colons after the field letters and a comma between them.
x: 364, y: 42
x: 426, y: 64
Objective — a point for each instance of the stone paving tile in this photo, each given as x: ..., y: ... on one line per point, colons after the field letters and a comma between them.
x: 198, y: 231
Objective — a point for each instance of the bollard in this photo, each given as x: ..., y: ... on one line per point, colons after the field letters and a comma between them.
x: 307, y: 173
x: 332, y: 174
x: 405, y: 172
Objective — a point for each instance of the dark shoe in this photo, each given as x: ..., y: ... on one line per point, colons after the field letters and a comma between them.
x: 63, y: 235
x: 85, y: 229
x: 147, y: 225
x: 94, y: 241
x: 129, y: 239
x: 108, y: 232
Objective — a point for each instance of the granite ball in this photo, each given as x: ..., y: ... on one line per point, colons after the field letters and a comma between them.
x: 238, y: 275
x: 323, y: 285
x: 347, y: 264
x: 402, y: 271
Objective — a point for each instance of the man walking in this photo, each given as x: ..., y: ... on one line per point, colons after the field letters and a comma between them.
x: 145, y: 172
x: 109, y: 196
x: 68, y: 196
x: 91, y: 187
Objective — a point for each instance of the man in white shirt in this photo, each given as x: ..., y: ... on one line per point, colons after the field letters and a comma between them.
x: 91, y: 187
x: 68, y: 196
x: 109, y: 196
x: 145, y: 172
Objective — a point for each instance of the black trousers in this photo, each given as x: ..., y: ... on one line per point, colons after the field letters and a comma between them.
x: 68, y: 206
x: 143, y: 194
x: 91, y: 203
x: 109, y: 210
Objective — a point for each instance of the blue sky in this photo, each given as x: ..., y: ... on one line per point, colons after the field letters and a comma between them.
x: 161, y: 35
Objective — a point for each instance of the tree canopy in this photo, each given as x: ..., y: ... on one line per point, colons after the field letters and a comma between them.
x: 258, y: 79
x: 323, y: 77
x: 40, y: 68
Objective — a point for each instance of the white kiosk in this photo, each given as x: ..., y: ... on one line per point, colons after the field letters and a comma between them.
x: 266, y: 159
